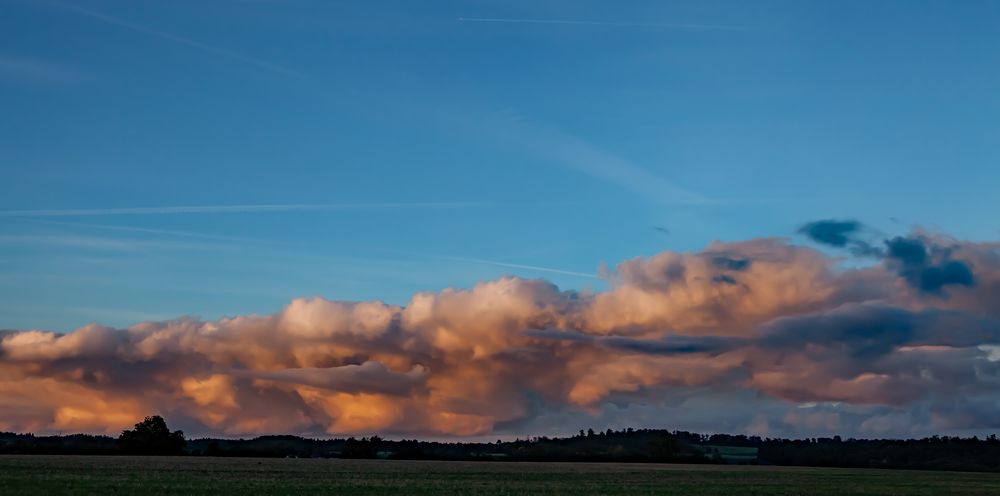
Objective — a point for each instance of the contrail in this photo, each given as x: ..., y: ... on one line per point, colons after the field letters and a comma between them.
x: 211, y: 209
x: 601, y: 23
x: 38, y: 70
x: 577, y: 154
x: 520, y: 266
x: 263, y: 64
x: 164, y: 232
x: 487, y: 262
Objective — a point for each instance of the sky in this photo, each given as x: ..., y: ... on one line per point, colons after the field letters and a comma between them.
x: 423, y: 190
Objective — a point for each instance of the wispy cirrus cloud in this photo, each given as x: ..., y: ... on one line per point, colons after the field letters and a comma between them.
x: 148, y: 230
x: 182, y: 40
x: 235, y: 209
x: 581, y: 155
x: 534, y: 268
x: 493, y: 263
x: 69, y: 241
x: 99, y: 243
x: 577, y: 22
x: 34, y: 70
x: 575, y: 153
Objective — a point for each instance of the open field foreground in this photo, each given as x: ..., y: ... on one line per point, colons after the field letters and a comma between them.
x: 203, y: 475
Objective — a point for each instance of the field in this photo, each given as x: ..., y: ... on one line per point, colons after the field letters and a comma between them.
x: 245, y: 476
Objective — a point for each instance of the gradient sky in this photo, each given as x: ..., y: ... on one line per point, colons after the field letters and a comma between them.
x: 222, y: 158
x: 436, y: 141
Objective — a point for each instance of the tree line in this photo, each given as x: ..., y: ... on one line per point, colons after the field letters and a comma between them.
x: 152, y: 437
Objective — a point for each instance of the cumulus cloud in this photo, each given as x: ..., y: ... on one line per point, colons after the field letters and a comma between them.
x: 757, y: 335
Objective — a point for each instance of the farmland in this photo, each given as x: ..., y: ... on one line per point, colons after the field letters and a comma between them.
x: 22, y: 474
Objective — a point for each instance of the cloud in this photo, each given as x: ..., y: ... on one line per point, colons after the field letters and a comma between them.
x: 672, y: 345
x: 733, y: 264
x: 34, y: 70
x: 369, y: 377
x: 520, y: 266
x: 232, y: 209
x: 737, y: 336
x: 571, y: 22
x: 146, y: 230
x: 872, y: 354
x: 831, y: 232
x: 929, y: 271
x: 580, y: 155
x: 926, y: 268
x: 174, y: 38
x: 841, y: 234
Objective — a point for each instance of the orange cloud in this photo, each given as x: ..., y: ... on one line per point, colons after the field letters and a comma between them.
x: 780, y: 320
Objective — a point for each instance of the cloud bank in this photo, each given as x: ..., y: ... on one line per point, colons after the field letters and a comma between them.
x: 762, y: 336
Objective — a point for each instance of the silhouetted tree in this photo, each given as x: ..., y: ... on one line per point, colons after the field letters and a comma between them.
x: 645, y: 445
x: 408, y: 450
x: 663, y: 447
x: 151, y: 437
x: 361, y: 448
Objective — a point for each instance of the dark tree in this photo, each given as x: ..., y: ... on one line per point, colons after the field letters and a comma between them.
x: 663, y: 447
x: 408, y: 450
x: 361, y: 448
x: 151, y: 437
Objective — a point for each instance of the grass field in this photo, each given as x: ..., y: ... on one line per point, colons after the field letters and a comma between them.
x: 250, y: 476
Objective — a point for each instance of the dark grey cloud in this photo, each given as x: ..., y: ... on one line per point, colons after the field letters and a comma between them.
x: 926, y: 268
x: 729, y: 263
x: 831, y: 232
x: 855, y: 330
x: 841, y: 234
x: 866, y: 330
x: 669, y: 345
x: 673, y: 345
x: 367, y: 377
x: 923, y: 265
x: 865, y: 353
x: 910, y: 251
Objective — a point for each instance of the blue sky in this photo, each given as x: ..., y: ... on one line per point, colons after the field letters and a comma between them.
x: 222, y: 157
